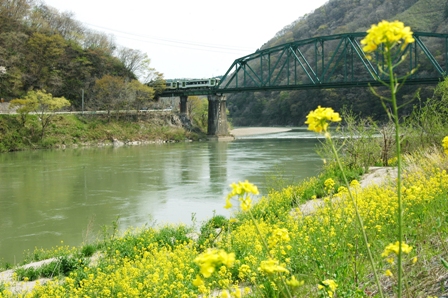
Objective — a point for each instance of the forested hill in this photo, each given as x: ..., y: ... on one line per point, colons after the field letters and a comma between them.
x: 42, y: 48
x: 335, y: 17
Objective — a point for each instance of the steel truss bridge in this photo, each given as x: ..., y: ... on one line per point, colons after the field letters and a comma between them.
x: 335, y: 61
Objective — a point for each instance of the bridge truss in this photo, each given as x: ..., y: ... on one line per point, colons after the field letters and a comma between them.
x: 335, y: 61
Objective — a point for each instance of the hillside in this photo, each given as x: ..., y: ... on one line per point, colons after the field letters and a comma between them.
x: 335, y: 17
x: 44, y: 49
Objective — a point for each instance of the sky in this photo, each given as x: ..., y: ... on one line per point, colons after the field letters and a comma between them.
x: 189, y: 38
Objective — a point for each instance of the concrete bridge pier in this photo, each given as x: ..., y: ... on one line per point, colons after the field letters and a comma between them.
x: 183, y: 104
x: 217, y: 118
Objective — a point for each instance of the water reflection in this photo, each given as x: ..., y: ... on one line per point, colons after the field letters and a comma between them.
x: 217, y: 163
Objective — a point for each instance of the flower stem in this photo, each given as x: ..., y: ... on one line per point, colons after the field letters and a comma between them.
x: 392, y: 86
x: 358, y: 217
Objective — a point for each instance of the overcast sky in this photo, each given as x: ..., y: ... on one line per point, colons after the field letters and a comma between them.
x: 189, y: 38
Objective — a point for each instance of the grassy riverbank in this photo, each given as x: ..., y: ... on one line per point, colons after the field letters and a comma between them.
x: 69, y: 130
x: 160, y: 262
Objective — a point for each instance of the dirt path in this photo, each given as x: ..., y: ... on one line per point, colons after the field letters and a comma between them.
x: 375, y: 176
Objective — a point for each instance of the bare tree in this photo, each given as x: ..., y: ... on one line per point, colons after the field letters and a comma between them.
x: 135, y: 62
x: 95, y: 39
x: 47, y: 18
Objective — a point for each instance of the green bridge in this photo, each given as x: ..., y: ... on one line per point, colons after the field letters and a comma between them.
x: 335, y: 61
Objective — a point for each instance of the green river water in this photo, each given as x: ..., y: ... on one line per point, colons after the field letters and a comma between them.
x: 50, y: 196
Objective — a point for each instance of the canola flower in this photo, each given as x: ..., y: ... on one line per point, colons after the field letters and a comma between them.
x: 388, y: 273
x: 318, y: 120
x: 445, y: 144
x: 329, y: 185
x: 387, y: 33
x: 272, y: 266
x: 329, y: 286
x: 294, y: 283
x: 243, y: 190
x: 393, y: 248
x: 213, y: 258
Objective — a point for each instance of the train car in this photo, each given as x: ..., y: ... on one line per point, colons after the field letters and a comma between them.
x: 172, y: 85
x: 192, y: 84
x: 198, y: 83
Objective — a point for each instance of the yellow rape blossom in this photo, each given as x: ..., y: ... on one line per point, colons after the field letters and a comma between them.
x: 318, y: 119
x: 243, y: 191
x: 394, y: 247
x: 271, y: 266
x: 294, y: 283
x: 211, y: 259
x: 329, y: 184
x: 388, y: 33
x: 228, y: 204
x: 445, y: 144
x: 328, y: 285
x: 243, y: 188
x: 388, y: 273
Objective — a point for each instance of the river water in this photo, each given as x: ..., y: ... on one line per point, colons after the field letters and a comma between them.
x: 50, y: 196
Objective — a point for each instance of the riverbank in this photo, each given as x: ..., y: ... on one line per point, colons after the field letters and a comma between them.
x: 247, y: 131
x: 71, y: 131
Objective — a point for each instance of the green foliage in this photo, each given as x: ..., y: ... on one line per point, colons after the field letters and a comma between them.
x: 211, y: 229
x: 61, y: 267
x: 41, y: 103
x: 88, y: 250
x: 428, y: 122
x: 172, y: 235
x: 198, y: 111
x: 358, y: 142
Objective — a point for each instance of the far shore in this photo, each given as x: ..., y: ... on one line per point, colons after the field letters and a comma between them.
x: 247, y: 131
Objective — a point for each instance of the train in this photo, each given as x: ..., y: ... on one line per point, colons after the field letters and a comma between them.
x: 192, y: 83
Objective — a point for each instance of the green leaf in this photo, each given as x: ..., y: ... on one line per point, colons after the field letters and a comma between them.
x: 444, y: 263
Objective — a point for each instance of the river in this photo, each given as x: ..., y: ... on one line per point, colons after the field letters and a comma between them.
x: 49, y: 196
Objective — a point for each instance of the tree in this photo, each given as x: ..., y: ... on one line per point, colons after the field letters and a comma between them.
x: 12, y: 48
x: 139, y: 93
x: 13, y: 13
x: 198, y: 111
x: 156, y: 81
x: 44, y: 54
x: 41, y: 103
x: 136, y: 62
x: 95, y: 40
x: 109, y: 93
x: 48, y: 20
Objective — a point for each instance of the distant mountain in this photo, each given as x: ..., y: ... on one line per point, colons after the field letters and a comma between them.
x: 335, y: 17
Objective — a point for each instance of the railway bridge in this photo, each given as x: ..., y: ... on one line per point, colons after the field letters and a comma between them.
x: 335, y: 61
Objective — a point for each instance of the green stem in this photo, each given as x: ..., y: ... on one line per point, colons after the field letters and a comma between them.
x: 358, y: 217
x: 392, y: 85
